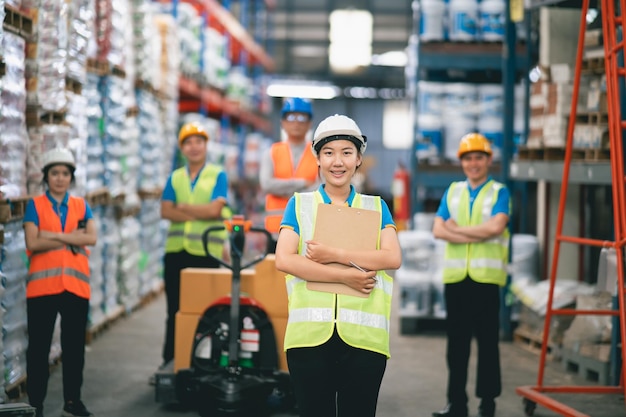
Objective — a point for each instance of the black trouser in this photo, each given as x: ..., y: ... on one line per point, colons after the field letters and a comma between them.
x: 336, y: 379
x: 42, y: 314
x: 172, y: 265
x: 473, y: 309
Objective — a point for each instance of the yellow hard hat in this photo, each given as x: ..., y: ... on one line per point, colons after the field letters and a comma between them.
x: 474, y: 142
x: 189, y: 129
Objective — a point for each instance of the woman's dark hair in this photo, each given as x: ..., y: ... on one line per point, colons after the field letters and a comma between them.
x: 47, y: 169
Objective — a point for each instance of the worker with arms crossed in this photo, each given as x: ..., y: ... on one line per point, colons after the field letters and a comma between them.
x: 194, y: 199
x: 288, y: 166
x: 57, y: 229
x: 473, y: 217
x: 337, y: 345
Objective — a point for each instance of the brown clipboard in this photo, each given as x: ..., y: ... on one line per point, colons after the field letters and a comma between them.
x: 346, y: 228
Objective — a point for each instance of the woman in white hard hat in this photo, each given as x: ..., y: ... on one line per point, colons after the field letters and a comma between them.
x: 337, y: 345
x: 57, y: 229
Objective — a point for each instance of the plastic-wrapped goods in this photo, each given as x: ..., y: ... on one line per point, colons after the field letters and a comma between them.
x: 13, y: 270
x: 169, y: 118
x: 47, y: 57
x: 96, y: 278
x: 77, y: 119
x: 189, y: 27
x: 152, y: 244
x: 216, y: 62
x: 81, y: 29
x: 95, y: 150
x: 14, y: 138
x: 151, y: 140
x: 42, y: 139
x: 110, y: 236
x: 168, y: 54
x: 118, y: 145
x: 128, y: 267
x: 146, y: 43
x: 2, y: 13
x: 119, y: 37
x: 104, y: 27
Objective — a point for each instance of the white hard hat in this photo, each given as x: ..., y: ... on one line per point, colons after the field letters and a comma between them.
x: 338, y: 127
x: 58, y: 156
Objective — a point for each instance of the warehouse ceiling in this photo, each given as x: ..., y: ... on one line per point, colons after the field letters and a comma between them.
x: 298, y: 40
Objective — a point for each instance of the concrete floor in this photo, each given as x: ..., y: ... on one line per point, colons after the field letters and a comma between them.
x: 121, y: 359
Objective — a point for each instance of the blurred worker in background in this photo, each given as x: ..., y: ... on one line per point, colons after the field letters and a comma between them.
x: 194, y: 199
x: 337, y: 345
x: 472, y: 217
x: 57, y: 229
x: 288, y: 166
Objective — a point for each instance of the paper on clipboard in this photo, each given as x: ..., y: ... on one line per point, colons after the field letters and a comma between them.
x: 346, y: 228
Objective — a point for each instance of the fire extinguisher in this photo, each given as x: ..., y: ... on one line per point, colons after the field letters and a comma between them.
x: 401, y: 193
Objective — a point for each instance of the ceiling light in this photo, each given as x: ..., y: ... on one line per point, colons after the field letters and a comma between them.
x: 320, y: 91
x: 350, y: 39
x: 391, y: 59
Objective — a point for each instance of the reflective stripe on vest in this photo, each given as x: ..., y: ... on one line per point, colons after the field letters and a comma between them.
x: 485, y: 261
x: 188, y: 235
x: 282, y: 162
x: 361, y: 322
x: 58, y: 270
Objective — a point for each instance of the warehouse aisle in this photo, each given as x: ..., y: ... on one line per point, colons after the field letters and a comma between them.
x: 121, y: 359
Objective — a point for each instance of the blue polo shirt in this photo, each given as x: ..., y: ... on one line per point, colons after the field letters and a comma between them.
x: 502, y: 203
x: 31, y: 215
x: 220, y: 189
x: 290, y: 220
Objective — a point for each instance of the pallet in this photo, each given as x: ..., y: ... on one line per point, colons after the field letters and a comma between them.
x: 36, y: 117
x: 118, y: 71
x: 593, y: 65
x: 100, y: 197
x: 152, y: 194
x: 592, y: 118
x: 592, y: 154
x: 99, y: 67
x: 74, y: 86
x: 17, y: 22
x: 532, y: 341
x: 589, y: 369
x: 17, y: 389
x: 13, y: 208
x: 529, y: 154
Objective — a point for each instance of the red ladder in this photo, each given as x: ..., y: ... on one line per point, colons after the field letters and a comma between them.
x: 615, y: 73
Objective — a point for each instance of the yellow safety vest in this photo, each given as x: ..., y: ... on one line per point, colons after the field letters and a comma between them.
x: 188, y: 235
x: 361, y: 322
x: 484, y: 262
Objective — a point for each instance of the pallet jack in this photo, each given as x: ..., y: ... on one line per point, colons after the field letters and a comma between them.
x: 224, y: 381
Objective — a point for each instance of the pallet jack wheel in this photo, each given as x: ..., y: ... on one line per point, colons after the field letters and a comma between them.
x: 529, y: 406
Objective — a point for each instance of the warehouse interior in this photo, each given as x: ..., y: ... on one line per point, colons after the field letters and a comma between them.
x: 114, y: 80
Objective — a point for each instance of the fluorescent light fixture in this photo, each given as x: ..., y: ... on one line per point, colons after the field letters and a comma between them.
x: 391, y: 59
x: 350, y: 39
x: 320, y: 91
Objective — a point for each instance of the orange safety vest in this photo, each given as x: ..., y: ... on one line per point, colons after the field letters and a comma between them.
x: 58, y: 270
x: 283, y: 168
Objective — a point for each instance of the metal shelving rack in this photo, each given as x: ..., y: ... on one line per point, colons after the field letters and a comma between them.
x: 505, y: 58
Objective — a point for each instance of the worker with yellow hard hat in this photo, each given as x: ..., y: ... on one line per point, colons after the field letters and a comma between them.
x: 193, y: 199
x: 473, y: 218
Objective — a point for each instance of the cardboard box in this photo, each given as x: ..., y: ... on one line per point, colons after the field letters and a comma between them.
x: 186, y: 325
x: 199, y: 287
x: 268, y: 288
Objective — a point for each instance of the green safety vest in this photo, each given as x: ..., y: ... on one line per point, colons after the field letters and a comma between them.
x: 188, y: 235
x: 484, y: 262
x: 361, y: 322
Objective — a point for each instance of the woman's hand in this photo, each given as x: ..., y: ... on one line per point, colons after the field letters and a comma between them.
x: 322, y: 254
x: 361, y: 281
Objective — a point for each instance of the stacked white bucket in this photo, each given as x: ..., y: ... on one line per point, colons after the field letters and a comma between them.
x: 447, y: 111
x: 461, y: 20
